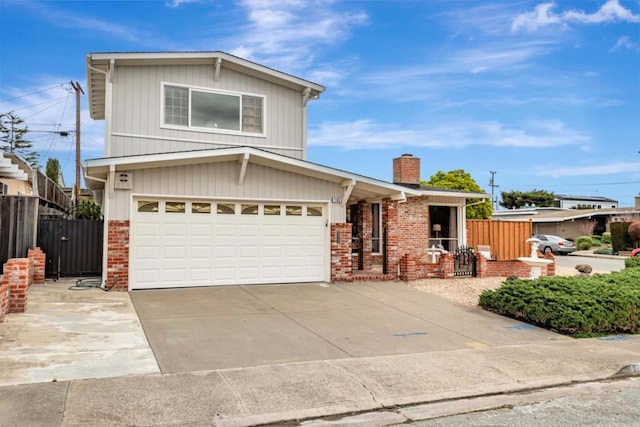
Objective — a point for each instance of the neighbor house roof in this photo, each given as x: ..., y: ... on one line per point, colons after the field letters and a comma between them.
x: 100, y: 65
x: 570, y: 214
x: 13, y: 166
x: 96, y: 171
x: 585, y: 198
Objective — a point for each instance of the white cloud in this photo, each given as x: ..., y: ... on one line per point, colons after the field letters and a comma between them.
x: 599, y: 169
x: 287, y: 34
x: 367, y: 134
x: 178, y: 3
x: 624, y: 42
x: 543, y: 15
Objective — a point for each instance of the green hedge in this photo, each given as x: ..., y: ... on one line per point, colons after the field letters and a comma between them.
x: 604, y: 251
x: 606, y: 238
x: 632, y: 262
x: 577, y: 306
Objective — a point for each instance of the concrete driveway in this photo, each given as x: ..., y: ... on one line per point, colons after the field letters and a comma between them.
x: 240, y: 326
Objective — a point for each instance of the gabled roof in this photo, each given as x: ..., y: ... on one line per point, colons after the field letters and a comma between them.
x: 100, y: 64
x: 96, y: 171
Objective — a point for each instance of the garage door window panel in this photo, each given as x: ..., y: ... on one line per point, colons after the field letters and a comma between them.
x: 147, y: 206
x: 200, y: 208
x: 226, y: 208
x: 246, y: 209
x: 272, y: 210
x: 175, y: 207
x: 294, y: 210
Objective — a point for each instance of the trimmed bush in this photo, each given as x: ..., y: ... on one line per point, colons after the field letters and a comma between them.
x: 620, y: 239
x: 606, y: 238
x: 584, y: 243
x: 632, y: 262
x: 604, y: 251
x: 595, y: 240
x: 578, y: 306
x: 634, y: 231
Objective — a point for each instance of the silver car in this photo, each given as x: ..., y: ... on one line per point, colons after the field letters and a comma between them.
x: 555, y: 244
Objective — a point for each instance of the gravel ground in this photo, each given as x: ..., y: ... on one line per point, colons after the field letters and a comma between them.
x: 467, y: 290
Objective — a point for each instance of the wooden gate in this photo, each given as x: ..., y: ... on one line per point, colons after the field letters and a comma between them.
x: 18, y: 220
x: 73, y: 247
x: 464, y: 262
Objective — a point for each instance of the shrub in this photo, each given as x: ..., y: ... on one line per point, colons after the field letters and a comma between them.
x: 578, y: 306
x: 606, y: 238
x: 632, y: 262
x: 604, y: 251
x: 583, y: 243
x: 634, y: 231
x: 595, y: 240
x: 620, y: 239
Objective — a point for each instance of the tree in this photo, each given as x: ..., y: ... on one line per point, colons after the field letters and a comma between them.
x: 12, y: 137
x: 88, y: 209
x: 460, y: 180
x: 53, y: 170
x: 519, y: 199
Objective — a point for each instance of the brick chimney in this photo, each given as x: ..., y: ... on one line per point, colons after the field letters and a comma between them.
x: 406, y: 170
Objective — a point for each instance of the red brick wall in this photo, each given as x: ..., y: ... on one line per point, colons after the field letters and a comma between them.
x: 406, y: 170
x: 18, y: 275
x: 341, y: 268
x: 413, y: 229
x: 118, y: 255
x: 365, y: 259
x: 39, y: 264
x: 390, y: 221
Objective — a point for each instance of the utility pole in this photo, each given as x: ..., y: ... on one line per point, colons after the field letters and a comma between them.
x: 492, y: 184
x: 76, y: 87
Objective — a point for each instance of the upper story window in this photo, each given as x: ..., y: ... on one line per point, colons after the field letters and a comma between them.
x: 202, y: 109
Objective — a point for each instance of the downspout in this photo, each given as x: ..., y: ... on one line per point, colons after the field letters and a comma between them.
x: 305, y: 99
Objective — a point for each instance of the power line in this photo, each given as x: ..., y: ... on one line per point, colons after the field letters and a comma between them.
x: 33, y: 93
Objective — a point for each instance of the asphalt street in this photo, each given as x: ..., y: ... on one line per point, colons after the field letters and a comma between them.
x: 602, y: 265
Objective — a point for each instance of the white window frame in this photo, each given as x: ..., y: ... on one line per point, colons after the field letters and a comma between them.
x: 189, y: 127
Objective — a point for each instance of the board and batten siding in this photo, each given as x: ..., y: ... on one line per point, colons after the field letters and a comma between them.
x: 137, y: 103
x: 220, y: 181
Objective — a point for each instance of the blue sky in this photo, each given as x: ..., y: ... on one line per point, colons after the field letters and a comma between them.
x: 547, y: 94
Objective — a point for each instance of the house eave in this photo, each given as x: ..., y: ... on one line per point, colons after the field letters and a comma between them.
x: 97, y: 170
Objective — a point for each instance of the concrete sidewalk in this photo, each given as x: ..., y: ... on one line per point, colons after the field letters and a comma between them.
x: 298, y: 391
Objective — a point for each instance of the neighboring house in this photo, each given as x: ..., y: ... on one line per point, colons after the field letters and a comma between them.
x: 205, y: 181
x: 584, y: 202
x: 569, y: 223
x: 15, y: 176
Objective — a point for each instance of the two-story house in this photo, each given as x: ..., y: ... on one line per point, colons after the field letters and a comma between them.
x: 205, y: 180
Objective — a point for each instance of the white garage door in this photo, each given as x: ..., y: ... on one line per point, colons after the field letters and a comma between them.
x: 178, y: 243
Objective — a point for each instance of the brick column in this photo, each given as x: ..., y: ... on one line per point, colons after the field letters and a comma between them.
x: 18, y: 275
x: 551, y: 268
x: 365, y: 222
x: 481, y: 265
x: 341, y: 268
x: 39, y: 263
x: 408, y: 271
x: 118, y: 255
x: 447, y: 269
x: 390, y: 222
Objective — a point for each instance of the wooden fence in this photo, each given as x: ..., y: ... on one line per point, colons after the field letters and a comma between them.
x: 506, y: 238
x: 18, y: 225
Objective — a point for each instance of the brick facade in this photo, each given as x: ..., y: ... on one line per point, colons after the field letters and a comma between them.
x: 365, y: 246
x: 406, y: 170
x: 341, y: 268
x: 118, y: 255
